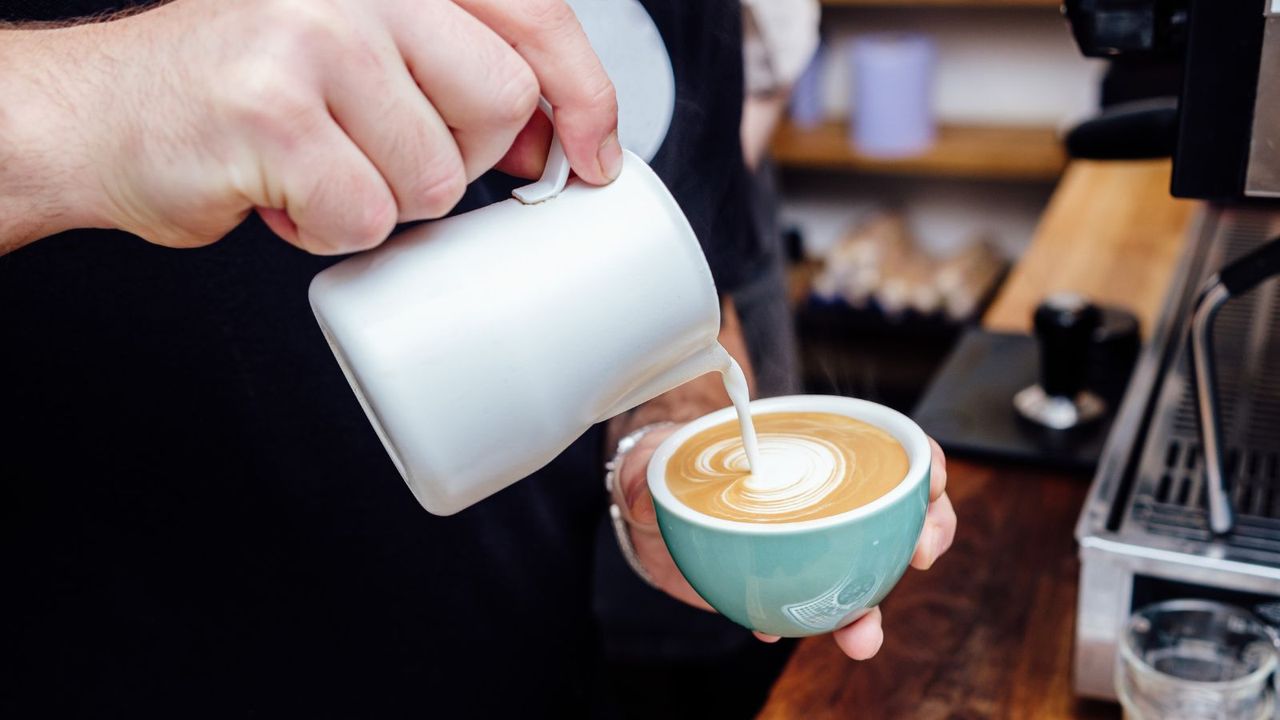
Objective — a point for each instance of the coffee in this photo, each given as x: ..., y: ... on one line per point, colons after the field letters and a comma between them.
x: 811, y: 465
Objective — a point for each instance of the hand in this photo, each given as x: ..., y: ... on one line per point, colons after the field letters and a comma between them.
x: 333, y: 118
x: 860, y: 640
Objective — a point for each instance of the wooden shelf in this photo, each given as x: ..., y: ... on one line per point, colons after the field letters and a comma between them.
x: 985, y: 152
x: 1042, y: 4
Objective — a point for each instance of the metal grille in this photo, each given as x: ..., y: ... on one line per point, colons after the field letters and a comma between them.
x: 1169, y: 494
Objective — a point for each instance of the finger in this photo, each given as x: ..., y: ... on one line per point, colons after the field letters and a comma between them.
x: 640, y: 508
x: 548, y: 36
x: 938, y: 534
x: 482, y: 88
x: 376, y: 101
x: 333, y: 198
x: 657, y: 560
x: 633, y: 477
x: 762, y: 637
x: 528, y: 153
x: 279, y: 223
x: 937, y: 471
x: 862, y: 639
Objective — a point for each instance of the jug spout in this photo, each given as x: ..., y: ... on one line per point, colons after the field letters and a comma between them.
x: 712, y: 359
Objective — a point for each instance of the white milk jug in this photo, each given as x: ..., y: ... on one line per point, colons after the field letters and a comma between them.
x: 482, y: 345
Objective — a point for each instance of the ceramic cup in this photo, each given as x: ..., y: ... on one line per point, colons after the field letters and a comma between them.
x: 801, y: 578
x: 482, y: 345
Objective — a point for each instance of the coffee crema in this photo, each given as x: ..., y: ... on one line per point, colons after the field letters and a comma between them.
x: 812, y: 465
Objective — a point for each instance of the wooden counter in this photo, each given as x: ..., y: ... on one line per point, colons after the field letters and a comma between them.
x: 1111, y: 232
x: 988, y: 632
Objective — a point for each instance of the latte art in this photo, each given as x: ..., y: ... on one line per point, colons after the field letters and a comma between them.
x: 811, y: 465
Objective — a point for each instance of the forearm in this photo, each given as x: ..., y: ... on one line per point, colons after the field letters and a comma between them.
x: 47, y: 175
x: 695, y: 398
x: 760, y: 116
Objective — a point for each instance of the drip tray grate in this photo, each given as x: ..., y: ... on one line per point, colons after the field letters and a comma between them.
x: 1169, y: 497
x: 1177, y: 505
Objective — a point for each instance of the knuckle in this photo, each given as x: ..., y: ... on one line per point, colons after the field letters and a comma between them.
x: 441, y: 190
x: 542, y: 15
x: 373, y: 211
x: 267, y: 100
x: 374, y: 224
x: 595, y: 113
x: 348, y: 210
x: 518, y: 96
x: 308, y: 24
x: 600, y: 96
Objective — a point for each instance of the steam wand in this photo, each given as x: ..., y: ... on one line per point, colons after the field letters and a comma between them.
x: 1233, y: 280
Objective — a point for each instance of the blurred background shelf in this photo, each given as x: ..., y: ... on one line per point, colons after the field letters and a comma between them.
x: 1042, y: 4
x: 988, y: 152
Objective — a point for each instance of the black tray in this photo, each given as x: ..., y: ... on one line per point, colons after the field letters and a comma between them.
x: 968, y: 407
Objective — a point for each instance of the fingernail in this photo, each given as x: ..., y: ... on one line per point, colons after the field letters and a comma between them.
x: 610, y: 156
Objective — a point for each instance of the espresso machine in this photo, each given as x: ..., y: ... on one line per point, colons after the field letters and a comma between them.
x: 1185, y: 502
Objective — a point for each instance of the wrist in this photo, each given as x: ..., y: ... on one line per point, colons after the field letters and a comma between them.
x: 49, y: 164
x: 620, y: 481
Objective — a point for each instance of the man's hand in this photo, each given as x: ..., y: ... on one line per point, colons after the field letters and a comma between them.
x: 333, y: 118
x: 860, y: 640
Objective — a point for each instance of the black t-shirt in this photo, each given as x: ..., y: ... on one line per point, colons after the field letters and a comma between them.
x: 197, y: 520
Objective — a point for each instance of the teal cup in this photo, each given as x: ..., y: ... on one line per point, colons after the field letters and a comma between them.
x: 800, y: 578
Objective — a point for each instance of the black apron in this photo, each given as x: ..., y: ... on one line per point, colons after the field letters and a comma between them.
x: 197, y: 520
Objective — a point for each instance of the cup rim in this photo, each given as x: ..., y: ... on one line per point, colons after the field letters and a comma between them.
x: 914, y: 441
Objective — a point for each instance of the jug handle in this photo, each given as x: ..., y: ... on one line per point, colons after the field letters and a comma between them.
x: 556, y: 172
x: 700, y: 363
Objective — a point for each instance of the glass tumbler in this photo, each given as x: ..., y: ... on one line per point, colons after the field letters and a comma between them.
x: 1196, y: 660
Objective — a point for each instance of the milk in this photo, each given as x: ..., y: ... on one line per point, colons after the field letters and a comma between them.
x: 735, y: 383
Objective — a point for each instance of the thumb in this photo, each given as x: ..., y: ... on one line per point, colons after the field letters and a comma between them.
x: 634, y: 483
x: 633, y: 477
